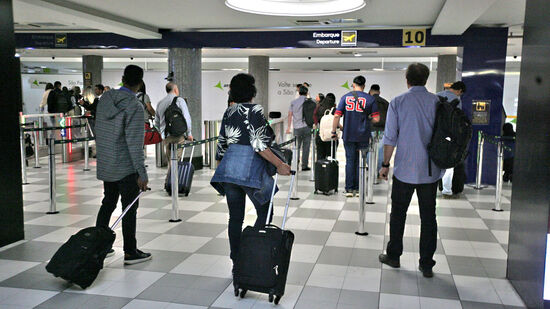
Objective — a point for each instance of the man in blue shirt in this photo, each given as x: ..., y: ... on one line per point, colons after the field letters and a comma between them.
x: 454, y: 92
x: 409, y: 127
x: 357, y: 128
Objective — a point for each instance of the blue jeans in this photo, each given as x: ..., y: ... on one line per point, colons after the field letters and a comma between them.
x: 236, y: 200
x: 352, y: 163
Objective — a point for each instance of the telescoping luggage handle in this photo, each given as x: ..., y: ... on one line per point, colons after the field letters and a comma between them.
x: 192, y: 152
x: 269, y: 211
x: 117, y: 222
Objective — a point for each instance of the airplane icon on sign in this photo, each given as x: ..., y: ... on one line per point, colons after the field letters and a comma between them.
x: 350, y: 38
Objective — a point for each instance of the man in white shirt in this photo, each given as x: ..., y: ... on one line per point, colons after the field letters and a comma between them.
x: 160, y: 122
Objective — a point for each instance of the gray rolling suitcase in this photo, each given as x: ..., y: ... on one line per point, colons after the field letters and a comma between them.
x: 185, y: 175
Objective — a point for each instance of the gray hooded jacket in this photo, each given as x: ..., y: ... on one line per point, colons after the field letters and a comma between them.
x: 119, y: 135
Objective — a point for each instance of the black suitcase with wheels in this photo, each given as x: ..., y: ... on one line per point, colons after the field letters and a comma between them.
x: 264, y: 256
x: 186, y: 170
x: 80, y: 259
x: 326, y: 174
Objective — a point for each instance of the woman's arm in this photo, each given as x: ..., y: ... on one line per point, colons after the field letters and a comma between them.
x: 282, y: 168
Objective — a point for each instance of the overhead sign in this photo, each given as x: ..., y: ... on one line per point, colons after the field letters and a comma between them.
x: 414, y: 37
x: 60, y: 40
x: 334, y: 38
x: 481, y: 111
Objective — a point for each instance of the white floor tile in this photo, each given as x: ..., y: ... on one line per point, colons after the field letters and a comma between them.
x: 476, y: 289
x: 57, y: 220
x: 495, y: 215
x: 439, y: 303
x: 25, y: 298
x: 205, y: 265
x: 154, y: 226
x: 10, y: 268
x: 305, y: 253
x: 393, y: 301
x: 501, y: 236
x: 180, y: 243
x: 210, y: 217
x: 362, y: 279
x: 60, y: 236
x: 507, y: 293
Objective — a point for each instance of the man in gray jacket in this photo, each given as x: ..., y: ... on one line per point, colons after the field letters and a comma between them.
x: 120, y: 163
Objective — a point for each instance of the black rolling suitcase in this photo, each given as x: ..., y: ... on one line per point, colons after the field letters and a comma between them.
x: 185, y: 175
x: 264, y: 256
x: 326, y: 174
x: 80, y: 259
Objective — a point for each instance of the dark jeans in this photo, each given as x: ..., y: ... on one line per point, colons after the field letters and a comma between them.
x: 127, y: 188
x: 352, y: 163
x: 303, y: 135
x: 401, y: 198
x: 508, y: 167
x: 236, y: 200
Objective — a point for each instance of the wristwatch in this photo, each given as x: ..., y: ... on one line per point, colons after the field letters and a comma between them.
x: 386, y: 165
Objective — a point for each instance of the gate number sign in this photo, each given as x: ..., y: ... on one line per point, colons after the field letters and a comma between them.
x: 414, y: 37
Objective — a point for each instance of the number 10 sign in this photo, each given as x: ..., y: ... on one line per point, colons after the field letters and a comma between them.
x: 414, y: 37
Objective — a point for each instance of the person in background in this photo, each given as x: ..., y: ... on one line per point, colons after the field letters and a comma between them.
x: 375, y: 92
x: 120, y: 162
x: 173, y: 92
x: 142, y: 96
x: 44, y: 102
x: 107, y: 88
x: 99, y: 89
x: 409, y: 127
x: 75, y: 98
x: 453, y: 94
x: 357, y: 129
x: 301, y: 130
x: 508, y: 140
x: 320, y: 97
x: 323, y: 148
x: 52, y: 97
x: 243, y: 153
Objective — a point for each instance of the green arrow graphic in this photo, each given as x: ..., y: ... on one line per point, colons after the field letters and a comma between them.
x: 219, y: 85
x: 36, y: 82
x: 345, y: 85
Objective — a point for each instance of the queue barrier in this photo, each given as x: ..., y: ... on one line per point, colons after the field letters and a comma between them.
x: 51, y: 142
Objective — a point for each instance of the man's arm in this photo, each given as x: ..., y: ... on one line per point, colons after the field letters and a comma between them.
x: 185, y: 110
x: 134, y: 132
x: 391, y: 133
x: 289, y: 122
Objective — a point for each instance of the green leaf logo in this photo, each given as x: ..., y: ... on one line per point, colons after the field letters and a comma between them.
x: 219, y: 85
x: 345, y: 85
x: 35, y: 82
x: 120, y: 84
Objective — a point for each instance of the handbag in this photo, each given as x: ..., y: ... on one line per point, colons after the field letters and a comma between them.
x: 152, y: 136
x: 284, y: 155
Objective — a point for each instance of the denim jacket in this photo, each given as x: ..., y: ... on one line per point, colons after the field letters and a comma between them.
x: 242, y: 166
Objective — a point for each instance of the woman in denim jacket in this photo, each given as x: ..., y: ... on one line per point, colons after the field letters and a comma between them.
x: 243, y: 154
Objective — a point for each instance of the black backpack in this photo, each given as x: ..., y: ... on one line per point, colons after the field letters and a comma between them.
x: 175, y: 122
x: 382, y: 105
x: 451, y: 135
x: 63, y: 102
x: 308, y: 109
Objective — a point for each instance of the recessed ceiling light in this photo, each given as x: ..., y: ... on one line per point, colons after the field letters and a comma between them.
x: 357, y: 55
x: 296, y: 7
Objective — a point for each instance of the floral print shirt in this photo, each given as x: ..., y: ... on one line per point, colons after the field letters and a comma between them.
x: 244, y: 124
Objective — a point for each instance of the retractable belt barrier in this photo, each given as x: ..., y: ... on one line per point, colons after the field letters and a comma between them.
x: 53, y: 128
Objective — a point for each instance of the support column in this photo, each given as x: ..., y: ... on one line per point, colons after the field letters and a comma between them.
x: 91, y: 70
x: 529, y: 217
x: 448, y: 70
x: 186, y: 67
x: 258, y: 66
x: 11, y: 195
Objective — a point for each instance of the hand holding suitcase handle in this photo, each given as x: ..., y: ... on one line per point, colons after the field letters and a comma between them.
x: 113, y: 227
x: 270, y: 210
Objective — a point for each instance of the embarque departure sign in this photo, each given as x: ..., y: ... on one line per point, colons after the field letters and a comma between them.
x: 334, y: 38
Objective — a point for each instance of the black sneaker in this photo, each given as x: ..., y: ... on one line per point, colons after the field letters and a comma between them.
x: 305, y: 169
x: 110, y: 253
x: 385, y: 259
x: 137, y: 257
x: 427, y: 273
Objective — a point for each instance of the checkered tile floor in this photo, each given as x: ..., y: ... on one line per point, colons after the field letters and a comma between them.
x: 331, y: 267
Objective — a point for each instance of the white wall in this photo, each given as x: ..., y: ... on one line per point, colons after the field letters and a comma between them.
x: 511, y: 93
x: 33, y: 86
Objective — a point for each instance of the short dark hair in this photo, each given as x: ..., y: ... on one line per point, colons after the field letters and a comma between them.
x: 242, y: 88
x: 417, y: 74
x: 302, y: 90
x: 49, y: 86
x: 170, y: 86
x: 459, y: 85
x: 375, y: 87
x: 57, y: 84
x: 133, y: 75
x: 359, y: 80
x: 100, y: 87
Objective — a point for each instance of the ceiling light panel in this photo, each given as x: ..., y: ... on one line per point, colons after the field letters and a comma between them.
x: 296, y: 7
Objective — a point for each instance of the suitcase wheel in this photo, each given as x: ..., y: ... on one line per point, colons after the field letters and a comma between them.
x: 243, y: 293
x: 270, y: 298
x: 277, y: 299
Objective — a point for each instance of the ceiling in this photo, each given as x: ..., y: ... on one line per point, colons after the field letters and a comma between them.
x: 144, y: 18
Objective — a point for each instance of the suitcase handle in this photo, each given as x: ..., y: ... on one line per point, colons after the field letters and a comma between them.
x: 117, y: 222
x: 191, y: 157
x: 269, y: 212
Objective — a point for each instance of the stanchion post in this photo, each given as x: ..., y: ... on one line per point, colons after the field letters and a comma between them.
x: 372, y: 174
x: 41, y: 133
x: 207, y: 146
x: 362, y: 175
x: 174, y: 181
x: 313, y: 155
x: 64, y: 147
x: 213, y: 145
x: 498, y: 197
x: 479, y: 172
x: 36, y: 137
x: 376, y: 155
x: 23, y: 155
x: 296, y: 162
x: 52, y: 181
x: 86, y: 150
